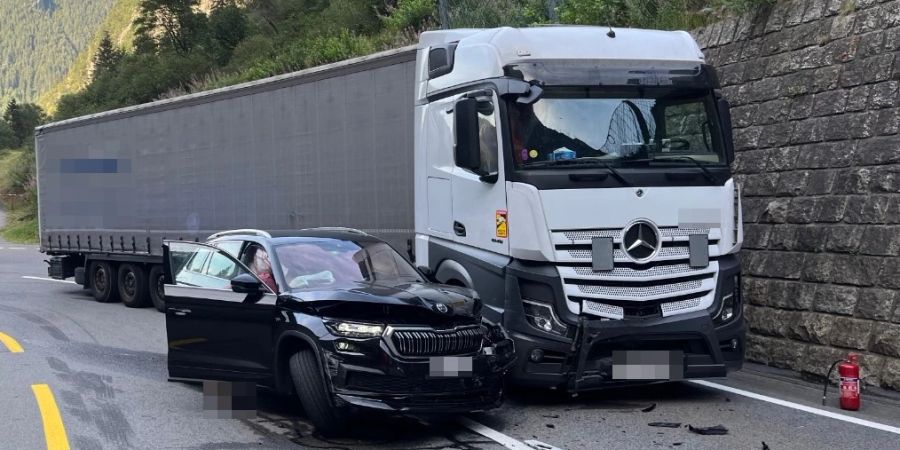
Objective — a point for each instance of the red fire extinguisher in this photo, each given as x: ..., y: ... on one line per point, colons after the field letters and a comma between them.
x: 849, y: 373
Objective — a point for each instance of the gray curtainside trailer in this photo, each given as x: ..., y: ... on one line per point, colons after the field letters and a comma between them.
x: 327, y: 146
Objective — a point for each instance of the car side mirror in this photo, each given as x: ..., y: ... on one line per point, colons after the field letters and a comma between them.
x: 247, y: 284
x: 724, y: 109
x: 467, y: 151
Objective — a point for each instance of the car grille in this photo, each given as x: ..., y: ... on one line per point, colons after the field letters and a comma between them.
x: 429, y: 342
x: 665, y: 286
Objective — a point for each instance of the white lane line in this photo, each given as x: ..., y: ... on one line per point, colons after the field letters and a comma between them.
x: 494, y: 435
x: 799, y: 407
x: 27, y: 277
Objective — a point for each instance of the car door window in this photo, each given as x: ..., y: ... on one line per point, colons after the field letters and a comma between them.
x: 232, y: 247
x: 207, y: 267
x: 257, y: 259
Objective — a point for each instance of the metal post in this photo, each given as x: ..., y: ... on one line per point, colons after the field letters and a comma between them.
x: 444, y: 14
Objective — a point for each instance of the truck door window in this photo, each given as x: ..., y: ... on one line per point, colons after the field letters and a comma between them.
x: 487, y: 136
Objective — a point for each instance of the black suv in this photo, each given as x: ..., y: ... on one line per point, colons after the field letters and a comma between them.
x: 335, y: 315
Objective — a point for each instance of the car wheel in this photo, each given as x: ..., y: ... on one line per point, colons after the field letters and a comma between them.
x: 103, y: 282
x: 132, y: 282
x: 313, y: 393
x: 156, y: 288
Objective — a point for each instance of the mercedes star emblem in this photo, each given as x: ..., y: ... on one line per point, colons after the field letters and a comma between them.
x: 441, y: 308
x: 641, y: 241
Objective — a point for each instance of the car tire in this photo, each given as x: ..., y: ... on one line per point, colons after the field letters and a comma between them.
x: 132, y: 283
x: 313, y: 393
x: 155, y: 283
x: 103, y: 282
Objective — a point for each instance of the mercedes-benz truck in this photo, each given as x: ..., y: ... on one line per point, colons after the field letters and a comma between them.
x: 577, y: 178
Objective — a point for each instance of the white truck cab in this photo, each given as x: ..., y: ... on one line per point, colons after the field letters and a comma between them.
x: 578, y: 179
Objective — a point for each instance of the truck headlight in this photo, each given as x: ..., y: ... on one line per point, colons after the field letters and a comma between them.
x: 356, y: 329
x: 541, y: 316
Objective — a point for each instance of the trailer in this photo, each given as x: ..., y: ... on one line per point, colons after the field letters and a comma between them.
x: 328, y: 146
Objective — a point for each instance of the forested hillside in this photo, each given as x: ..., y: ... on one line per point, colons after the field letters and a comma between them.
x: 39, y: 40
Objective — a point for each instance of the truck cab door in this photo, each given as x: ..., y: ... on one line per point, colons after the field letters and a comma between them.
x: 214, y: 332
x: 479, y: 194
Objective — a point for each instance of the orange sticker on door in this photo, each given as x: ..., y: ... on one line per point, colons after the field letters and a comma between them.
x: 502, y: 225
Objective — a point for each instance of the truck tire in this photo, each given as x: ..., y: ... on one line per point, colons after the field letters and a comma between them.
x: 103, y: 282
x: 313, y: 393
x: 155, y: 284
x: 132, y: 283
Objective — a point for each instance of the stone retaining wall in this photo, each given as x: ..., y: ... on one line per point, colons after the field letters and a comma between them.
x: 814, y: 91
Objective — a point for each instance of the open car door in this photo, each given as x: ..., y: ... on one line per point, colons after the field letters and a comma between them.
x: 219, y: 315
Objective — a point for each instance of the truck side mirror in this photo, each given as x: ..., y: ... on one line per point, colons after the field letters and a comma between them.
x: 724, y: 109
x: 467, y: 151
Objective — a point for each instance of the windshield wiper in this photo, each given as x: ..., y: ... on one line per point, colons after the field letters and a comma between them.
x: 709, y: 176
x: 706, y: 173
x: 584, y: 161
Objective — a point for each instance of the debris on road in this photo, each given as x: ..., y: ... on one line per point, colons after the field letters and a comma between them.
x: 550, y: 416
x: 765, y: 446
x: 649, y: 408
x: 665, y: 424
x: 709, y: 431
x: 538, y: 445
x: 550, y: 425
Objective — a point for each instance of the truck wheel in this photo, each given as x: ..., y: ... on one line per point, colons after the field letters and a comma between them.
x: 313, y: 393
x: 103, y: 282
x: 132, y: 283
x: 155, y: 288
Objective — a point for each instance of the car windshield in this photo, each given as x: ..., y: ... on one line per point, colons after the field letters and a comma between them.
x: 323, y: 262
x: 583, y: 128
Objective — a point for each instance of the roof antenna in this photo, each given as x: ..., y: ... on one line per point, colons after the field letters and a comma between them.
x: 610, y: 33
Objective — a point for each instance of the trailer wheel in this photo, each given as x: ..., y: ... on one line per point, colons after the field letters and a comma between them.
x: 103, y: 282
x: 132, y: 283
x: 155, y: 288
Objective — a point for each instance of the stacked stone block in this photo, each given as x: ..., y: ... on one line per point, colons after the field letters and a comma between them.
x: 814, y: 91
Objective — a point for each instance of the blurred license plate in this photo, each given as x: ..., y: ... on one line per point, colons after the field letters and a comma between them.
x: 450, y: 366
x: 648, y: 365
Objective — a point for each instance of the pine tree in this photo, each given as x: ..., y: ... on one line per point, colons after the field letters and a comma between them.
x: 13, y: 117
x: 107, y: 57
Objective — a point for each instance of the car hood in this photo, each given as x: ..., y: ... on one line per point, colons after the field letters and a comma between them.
x: 397, y: 300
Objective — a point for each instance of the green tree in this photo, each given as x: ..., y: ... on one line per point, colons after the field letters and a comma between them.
x: 21, y: 119
x: 228, y: 27
x: 107, y: 57
x: 7, y: 138
x: 169, y: 23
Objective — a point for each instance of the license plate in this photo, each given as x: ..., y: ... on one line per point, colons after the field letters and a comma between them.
x: 648, y: 365
x: 450, y: 366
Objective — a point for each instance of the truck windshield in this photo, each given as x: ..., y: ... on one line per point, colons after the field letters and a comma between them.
x: 577, y: 129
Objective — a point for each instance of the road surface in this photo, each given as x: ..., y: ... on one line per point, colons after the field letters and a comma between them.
x: 102, y: 369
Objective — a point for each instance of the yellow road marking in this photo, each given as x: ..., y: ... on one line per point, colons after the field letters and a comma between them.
x: 54, y: 432
x: 10, y: 343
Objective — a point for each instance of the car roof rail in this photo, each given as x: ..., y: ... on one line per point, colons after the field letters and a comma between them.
x: 345, y: 229
x: 243, y: 231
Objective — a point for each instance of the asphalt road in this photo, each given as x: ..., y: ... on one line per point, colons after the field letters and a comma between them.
x: 105, y: 366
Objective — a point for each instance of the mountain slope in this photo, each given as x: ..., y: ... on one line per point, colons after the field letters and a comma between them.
x: 39, y: 40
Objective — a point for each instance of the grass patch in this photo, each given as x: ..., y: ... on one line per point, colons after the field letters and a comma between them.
x: 20, y: 231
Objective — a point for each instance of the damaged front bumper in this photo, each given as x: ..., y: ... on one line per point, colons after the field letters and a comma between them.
x: 696, y: 349
x: 384, y: 381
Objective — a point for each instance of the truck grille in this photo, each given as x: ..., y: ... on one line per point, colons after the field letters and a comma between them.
x: 667, y: 285
x: 429, y: 342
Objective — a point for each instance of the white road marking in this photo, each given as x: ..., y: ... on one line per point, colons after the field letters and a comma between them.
x: 799, y: 407
x: 27, y: 277
x: 494, y: 435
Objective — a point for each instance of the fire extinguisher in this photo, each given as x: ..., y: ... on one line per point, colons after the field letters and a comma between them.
x: 848, y: 370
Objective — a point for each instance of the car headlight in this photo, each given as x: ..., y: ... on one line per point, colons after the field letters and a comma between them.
x: 356, y: 329
x: 730, y: 303
x: 541, y: 316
